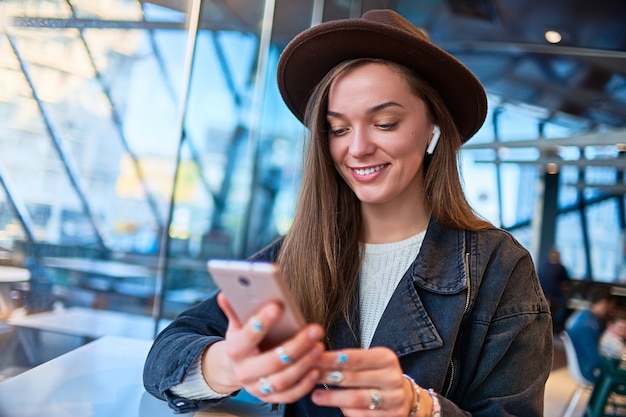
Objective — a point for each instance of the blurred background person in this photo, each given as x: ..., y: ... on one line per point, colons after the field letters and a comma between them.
x: 612, y: 341
x: 585, y: 328
x: 554, y: 280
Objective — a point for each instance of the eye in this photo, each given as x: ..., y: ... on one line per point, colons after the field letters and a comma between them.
x: 339, y: 131
x: 387, y: 126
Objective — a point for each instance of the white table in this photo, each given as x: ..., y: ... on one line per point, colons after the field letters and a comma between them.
x: 89, y: 323
x: 100, y: 379
x: 85, y: 323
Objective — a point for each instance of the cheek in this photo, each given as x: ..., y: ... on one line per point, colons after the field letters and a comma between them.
x: 416, y: 142
x: 336, y: 152
x: 412, y: 148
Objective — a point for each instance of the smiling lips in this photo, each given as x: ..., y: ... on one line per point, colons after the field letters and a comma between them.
x: 362, y: 172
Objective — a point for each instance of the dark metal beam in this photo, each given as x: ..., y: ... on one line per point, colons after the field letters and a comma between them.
x: 549, y: 210
x: 584, y: 228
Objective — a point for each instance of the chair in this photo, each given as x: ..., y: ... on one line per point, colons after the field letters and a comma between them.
x: 574, y: 369
x: 608, y: 392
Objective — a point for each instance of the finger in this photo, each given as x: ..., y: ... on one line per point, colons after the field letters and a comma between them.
x: 358, y: 359
x: 359, y: 401
x: 360, y: 379
x: 294, y: 355
x: 269, y: 391
x: 265, y: 316
x: 224, y: 304
x: 356, y: 399
x: 243, y: 340
x: 294, y: 381
x: 294, y: 348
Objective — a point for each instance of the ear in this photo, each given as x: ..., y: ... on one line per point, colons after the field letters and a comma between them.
x: 434, y: 140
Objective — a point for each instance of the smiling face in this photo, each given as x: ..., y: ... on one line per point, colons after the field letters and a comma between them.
x: 378, y: 133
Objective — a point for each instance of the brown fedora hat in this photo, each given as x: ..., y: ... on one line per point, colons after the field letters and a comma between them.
x: 381, y: 34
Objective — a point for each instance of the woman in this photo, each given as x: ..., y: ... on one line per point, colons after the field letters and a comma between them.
x: 417, y: 306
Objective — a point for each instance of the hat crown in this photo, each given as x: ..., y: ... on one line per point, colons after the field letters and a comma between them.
x: 382, y: 34
x: 395, y: 21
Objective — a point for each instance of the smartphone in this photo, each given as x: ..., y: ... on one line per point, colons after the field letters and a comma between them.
x: 248, y: 285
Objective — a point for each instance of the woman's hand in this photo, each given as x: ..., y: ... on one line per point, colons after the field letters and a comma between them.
x: 279, y: 375
x: 364, y: 382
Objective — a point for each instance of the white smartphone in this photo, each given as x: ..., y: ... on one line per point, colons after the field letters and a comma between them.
x: 248, y: 285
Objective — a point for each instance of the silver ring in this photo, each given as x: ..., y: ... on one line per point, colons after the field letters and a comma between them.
x: 377, y: 401
x: 265, y: 386
x: 335, y: 377
x: 282, y: 355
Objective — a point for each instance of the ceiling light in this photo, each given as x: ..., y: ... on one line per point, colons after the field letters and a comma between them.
x: 553, y: 36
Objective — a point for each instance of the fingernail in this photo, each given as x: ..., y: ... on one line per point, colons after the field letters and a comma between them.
x: 282, y: 355
x: 315, y: 333
x: 256, y: 325
x: 342, y: 358
x: 316, y: 396
x: 335, y: 377
x: 273, y: 311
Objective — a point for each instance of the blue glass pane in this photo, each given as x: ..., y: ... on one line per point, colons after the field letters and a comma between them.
x: 606, y: 246
x: 569, y: 241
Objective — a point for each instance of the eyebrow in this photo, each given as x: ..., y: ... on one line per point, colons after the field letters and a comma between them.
x: 371, y: 110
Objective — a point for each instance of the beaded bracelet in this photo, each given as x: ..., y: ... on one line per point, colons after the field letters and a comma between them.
x: 436, y: 405
x: 416, y: 396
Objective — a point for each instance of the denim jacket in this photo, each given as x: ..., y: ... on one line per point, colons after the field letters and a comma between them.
x: 468, y: 319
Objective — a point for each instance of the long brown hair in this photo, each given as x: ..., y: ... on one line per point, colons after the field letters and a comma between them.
x: 321, y: 254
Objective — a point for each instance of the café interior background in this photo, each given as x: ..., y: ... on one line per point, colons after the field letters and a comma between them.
x: 140, y: 138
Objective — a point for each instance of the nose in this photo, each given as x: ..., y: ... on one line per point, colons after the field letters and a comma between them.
x: 361, y: 144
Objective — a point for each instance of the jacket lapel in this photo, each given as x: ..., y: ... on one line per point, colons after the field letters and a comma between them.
x: 439, y: 268
x: 405, y: 311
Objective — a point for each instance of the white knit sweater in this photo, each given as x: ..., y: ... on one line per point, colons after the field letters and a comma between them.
x: 383, y: 266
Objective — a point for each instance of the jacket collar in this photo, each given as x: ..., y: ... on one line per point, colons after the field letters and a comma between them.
x: 439, y: 268
x: 440, y: 265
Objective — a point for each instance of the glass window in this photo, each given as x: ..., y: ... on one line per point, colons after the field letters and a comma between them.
x: 569, y: 241
x: 606, y: 246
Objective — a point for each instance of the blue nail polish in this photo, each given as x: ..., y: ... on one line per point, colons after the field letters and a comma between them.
x: 265, y: 386
x: 257, y: 326
x: 282, y: 355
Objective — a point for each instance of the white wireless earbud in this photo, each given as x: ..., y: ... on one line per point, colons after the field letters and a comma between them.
x: 434, y: 140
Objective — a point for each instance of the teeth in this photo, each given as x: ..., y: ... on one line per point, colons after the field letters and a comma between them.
x: 367, y: 171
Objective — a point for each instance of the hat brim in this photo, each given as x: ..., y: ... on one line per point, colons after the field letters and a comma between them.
x: 314, y: 52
